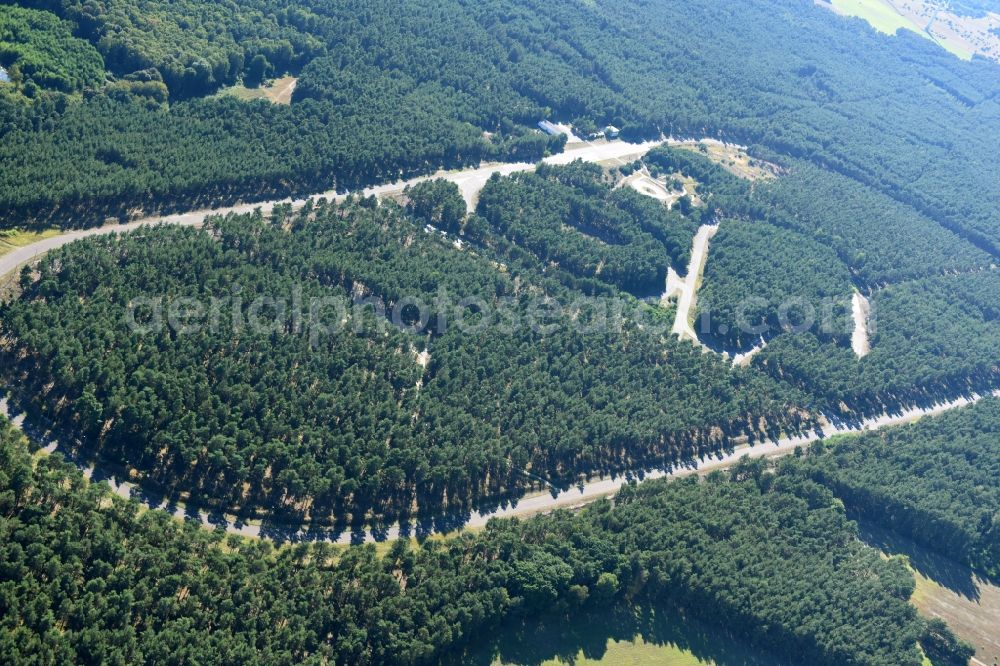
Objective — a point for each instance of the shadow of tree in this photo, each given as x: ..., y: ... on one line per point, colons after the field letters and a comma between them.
x: 586, y: 636
x: 944, y: 571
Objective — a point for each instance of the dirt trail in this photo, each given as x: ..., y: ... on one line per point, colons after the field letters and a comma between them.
x: 743, y: 359
x: 471, y: 182
x: 283, y: 90
x: 571, y: 136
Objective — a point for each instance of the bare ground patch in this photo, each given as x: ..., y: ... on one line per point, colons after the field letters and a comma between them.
x: 278, y: 92
x: 947, y: 590
x: 734, y: 159
x: 667, y: 188
x: 977, y: 620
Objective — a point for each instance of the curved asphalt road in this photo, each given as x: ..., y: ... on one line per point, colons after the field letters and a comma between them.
x: 527, y: 506
x: 469, y: 181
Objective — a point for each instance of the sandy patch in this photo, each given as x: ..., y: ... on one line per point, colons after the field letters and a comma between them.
x: 733, y: 158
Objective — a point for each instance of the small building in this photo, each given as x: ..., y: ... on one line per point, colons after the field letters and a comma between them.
x: 4, y: 77
x: 611, y: 132
x: 549, y: 128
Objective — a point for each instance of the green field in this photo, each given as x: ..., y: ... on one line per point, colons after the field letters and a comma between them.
x: 881, y: 16
x: 623, y: 636
x: 635, y: 653
x: 278, y: 92
x: 884, y: 18
x: 11, y: 239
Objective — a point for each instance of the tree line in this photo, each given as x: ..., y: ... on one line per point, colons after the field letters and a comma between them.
x: 933, y: 481
x: 195, y: 47
x: 39, y: 51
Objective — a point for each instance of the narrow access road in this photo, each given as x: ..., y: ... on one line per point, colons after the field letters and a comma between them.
x: 285, y: 90
x: 861, y: 310
x: 686, y: 291
x: 686, y: 288
x: 470, y: 182
x: 531, y: 505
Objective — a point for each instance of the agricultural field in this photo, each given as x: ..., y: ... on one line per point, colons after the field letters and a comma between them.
x: 879, y: 14
x: 961, y: 32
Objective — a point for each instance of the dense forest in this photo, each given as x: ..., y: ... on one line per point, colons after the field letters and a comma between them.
x: 898, y: 116
x: 341, y: 422
x: 185, y: 153
x: 195, y: 46
x: 761, y: 280
x: 373, y: 114
x: 439, y: 203
x: 87, y: 577
x: 930, y: 337
x: 39, y: 51
x: 348, y: 364
x: 572, y: 217
x: 882, y: 240
x: 934, y: 481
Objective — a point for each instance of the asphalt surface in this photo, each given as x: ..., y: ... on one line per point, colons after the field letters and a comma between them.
x: 527, y: 506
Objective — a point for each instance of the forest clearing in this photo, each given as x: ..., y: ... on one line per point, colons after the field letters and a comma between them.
x: 732, y: 157
x: 278, y: 91
x: 946, y: 589
x: 861, y: 311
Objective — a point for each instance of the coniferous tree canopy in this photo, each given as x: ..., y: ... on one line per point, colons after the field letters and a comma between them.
x: 934, y: 481
x: 88, y: 577
x: 884, y: 151
x: 347, y: 424
x: 387, y: 88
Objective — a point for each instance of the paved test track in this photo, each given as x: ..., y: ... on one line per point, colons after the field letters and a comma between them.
x: 470, y: 181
